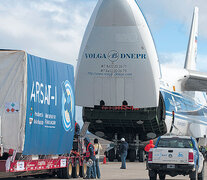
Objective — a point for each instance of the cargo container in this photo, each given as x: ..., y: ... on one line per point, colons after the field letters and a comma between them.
x: 37, y: 116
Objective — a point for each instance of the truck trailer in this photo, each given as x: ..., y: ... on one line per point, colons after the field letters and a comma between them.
x: 37, y: 117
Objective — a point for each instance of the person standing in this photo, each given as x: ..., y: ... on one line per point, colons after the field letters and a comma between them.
x: 77, y: 129
x: 147, y: 148
x: 90, y: 156
x: 98, y: 148
x: 76, y: 137
x: 123, y: 152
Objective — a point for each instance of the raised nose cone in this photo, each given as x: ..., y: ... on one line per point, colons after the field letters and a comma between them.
x: 117, y: 61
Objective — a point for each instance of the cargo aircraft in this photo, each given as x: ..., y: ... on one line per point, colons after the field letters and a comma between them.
x: 123, y: 90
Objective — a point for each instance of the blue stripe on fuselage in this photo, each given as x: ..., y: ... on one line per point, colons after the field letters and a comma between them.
x: 185, y: 107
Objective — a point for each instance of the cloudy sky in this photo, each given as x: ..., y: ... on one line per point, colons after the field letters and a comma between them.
x: 54, y: 28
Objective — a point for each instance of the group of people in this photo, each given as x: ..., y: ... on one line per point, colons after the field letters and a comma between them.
x: 93, y: 154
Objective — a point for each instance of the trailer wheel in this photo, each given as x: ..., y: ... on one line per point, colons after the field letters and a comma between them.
x: 76, y: 169
x: 61, y: 173
x: 67, y: 172
x: 83, y: 169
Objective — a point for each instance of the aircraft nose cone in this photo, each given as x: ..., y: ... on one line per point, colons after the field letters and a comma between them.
x: 117, y: 60
x: 115, y: 13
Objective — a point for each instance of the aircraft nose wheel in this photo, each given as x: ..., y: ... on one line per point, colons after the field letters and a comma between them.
x: 141, y: 155
x: 132, y: 155
x: 111, y: 155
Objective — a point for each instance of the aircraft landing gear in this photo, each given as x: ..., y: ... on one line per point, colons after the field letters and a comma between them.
x: 140, y: 149
x: 132, y: 155
x: 111, y: 155
x: 141, y: 155
x: 135, y: 151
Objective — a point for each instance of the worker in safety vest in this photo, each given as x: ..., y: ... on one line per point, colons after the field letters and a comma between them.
x: 149, y: 146
x: 90, y: 157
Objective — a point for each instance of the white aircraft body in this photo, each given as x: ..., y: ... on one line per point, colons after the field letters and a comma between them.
x: 121, y: 87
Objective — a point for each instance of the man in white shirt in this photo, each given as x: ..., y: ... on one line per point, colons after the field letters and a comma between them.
x: 97, y: 148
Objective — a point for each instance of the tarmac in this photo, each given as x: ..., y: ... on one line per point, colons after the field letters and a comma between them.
x: 134, y: 171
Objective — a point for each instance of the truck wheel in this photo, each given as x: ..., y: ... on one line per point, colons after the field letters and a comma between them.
x: 152, y: 175
x: 141, y: 155
x: 162, y: 176
x: 67, y: 172
x: 132, y: 155
x: 193, y: 175
x: 83, y: 169
x: 111, y: 155
x: 201, y: 174
x: 76, y: 169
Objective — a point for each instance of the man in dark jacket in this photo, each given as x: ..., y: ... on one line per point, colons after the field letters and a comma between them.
x: 91, y: 169
x: 123, y: 152
x: 76, y: 140
x: 77, y: 129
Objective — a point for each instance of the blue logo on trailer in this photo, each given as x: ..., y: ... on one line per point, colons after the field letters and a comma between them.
x: 67, y: 105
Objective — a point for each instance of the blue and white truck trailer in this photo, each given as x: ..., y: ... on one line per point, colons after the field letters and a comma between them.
x: 37, y: 117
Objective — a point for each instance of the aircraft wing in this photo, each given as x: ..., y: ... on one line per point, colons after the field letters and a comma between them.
x: 195, y: 81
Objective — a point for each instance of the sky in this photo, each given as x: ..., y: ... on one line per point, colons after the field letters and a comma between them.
x: 54, y: 29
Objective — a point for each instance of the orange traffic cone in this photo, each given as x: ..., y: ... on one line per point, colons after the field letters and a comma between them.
x: 104, y: 160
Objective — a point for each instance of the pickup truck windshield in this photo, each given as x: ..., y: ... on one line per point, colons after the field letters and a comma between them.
x: 175, y: 143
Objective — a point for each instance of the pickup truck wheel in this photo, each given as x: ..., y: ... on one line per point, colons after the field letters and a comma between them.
x: 193, y: 175
x: 60, y: 173
x: 153, y: 178
x: 162, y: 176
x: 201, y: 174
x: 152, y: 175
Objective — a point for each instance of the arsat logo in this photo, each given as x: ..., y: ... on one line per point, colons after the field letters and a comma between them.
x: 68, y: 106
x: 113, y: 56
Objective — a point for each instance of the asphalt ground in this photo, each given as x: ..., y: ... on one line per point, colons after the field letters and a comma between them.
x: 134, y: 171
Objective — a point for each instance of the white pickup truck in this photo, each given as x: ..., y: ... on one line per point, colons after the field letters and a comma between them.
x: 175, y: 155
